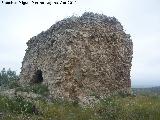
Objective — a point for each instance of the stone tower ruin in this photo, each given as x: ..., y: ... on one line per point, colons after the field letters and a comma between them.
x: 80, y: 57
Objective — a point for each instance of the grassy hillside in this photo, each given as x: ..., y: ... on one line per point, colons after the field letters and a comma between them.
x: 140, y: 107
x: 31, y: 103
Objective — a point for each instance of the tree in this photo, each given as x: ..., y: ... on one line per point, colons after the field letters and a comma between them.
x: 8, y: 77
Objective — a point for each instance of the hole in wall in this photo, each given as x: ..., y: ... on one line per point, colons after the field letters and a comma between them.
x: 37, y: 77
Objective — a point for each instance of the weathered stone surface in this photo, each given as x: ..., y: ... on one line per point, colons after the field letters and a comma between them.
x: 11, y: 93
x: 80, y: 57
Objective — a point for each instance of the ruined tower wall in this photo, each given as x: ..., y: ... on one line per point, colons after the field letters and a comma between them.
x: 80, y: 57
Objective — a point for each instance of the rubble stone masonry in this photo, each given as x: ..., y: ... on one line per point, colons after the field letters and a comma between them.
x: 80, y: 58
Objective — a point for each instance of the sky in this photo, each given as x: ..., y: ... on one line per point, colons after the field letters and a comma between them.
x: 140, y: 19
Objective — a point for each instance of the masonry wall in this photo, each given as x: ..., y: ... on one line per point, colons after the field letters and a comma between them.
x: 80, y: 57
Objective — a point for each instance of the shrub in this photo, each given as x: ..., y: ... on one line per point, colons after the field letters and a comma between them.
x: 63, y: 110
x: 15, y: 105
x: 109, y: 109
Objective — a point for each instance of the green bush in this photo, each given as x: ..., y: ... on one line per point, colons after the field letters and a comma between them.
x: 109, y: 109
x: 63, y: 110
x: 40, y: 89
x: 13, y: 84
x: 15, y: 105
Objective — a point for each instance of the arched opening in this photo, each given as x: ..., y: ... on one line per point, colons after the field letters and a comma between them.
x: 37, y: 77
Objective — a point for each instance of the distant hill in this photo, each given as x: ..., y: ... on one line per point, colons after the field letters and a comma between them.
x: 151, y: 90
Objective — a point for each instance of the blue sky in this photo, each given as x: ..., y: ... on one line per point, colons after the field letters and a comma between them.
x: 140, y: 18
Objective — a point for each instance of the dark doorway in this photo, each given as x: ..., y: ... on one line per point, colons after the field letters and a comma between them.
x: 37, y: 78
